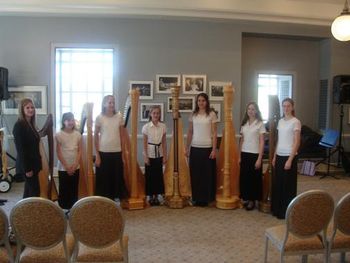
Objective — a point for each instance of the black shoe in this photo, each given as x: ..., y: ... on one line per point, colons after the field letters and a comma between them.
x: 156, y: 202
x: 250, y: 206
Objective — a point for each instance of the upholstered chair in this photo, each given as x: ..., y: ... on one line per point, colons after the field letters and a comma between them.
x: 6, y: 254
x: 97, y: 224
x: 339, y: 240
x: 304, y: 231
x: 40, y: 228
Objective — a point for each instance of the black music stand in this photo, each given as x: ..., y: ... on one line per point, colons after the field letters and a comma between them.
x: 329, y: 141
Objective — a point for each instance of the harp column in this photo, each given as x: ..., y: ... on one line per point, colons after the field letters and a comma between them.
x: 89, y: 149
x: 227, y: 200
x: 134, y: 201
x: 176, y: 200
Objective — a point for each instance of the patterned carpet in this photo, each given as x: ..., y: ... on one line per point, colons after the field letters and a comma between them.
x: 205, y: 235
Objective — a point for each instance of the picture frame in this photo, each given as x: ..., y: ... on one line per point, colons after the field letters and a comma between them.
x: 216, y: 107
x: 216, y: 90
x: 164, y: 83
x: 145, y: 88
x: 38, y: 94
x: 144, y: 110
x: 194, y: 84
x: 186, y: 104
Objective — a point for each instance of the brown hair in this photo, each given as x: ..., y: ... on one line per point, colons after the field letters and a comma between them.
x: 207, y: 108
x: 67, y: 116
x: 291, y: 102
x: 152, y: 108
x: 22, y: 117
x: 257, y: 114
x: 104, y: 101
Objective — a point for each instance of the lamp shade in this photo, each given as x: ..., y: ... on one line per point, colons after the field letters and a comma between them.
x: 341, y: 27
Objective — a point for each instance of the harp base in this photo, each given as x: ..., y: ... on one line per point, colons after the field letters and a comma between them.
x: 134, y: 204
x: 265, y: 206
x: 175, y: 202
x: 228, y: 202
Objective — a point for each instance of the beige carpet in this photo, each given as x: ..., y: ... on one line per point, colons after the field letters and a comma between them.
x: 205, y: 235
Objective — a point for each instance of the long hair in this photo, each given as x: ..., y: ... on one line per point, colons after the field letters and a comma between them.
x: 21, y: 114
x: 257, y: 113
x: 291, y: 102
x: 67, y: 116
x: 104, y: 102
x: 207, y: 108
x: 151, y: 109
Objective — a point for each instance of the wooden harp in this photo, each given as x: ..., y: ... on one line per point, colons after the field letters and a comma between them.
x: 177, y: 181
x: 227, y: 193
x: 47, y: 184
x: 86, y: 171
x: 133, y: 175
x: 5, y: 182
x: 274, y: 115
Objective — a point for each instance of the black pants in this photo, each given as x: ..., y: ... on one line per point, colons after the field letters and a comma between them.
x: 284, y: 186
x: 109, y: 176
x: 31, y: 186
x: 203, y: 175
x: 154, y: 176
x: 250, y: 178
x: 68, y: 189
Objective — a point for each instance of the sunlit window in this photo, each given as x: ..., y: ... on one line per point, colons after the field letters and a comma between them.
x: 271, y: 84
x: 82, y: 75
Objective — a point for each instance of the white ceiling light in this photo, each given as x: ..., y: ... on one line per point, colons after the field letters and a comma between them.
x: 341, y: 25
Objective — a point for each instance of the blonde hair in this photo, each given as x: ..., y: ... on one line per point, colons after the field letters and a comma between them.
x: 104, y: 102
x: 152, y: 108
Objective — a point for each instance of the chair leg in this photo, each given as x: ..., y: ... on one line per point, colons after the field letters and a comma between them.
x: 266, y: 248
x: 342, y: 257
x: 282, y: 256
x: 304, y: 258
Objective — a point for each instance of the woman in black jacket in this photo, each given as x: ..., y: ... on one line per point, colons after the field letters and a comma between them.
x: 27, y: 141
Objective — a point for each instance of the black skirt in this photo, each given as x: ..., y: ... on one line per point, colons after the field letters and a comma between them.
x: 68, y: 189
x: 31, y: 186
x: 250, y: 178
x: 154, y: 176
x: 203, y: 175
x: 110, y: 176
x: 284, y: 186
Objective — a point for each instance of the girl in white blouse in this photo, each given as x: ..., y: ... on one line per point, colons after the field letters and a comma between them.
x: 109, y: 164
x: 154, y: 154
x: 252, y: 148
x: 201, y: 149
x: 68, y: 149
x: 284, y: 183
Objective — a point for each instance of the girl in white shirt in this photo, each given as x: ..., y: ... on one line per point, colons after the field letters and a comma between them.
x: 109, y: 164
x: 68, y: 149
x: 284, y: 183
x: 252, y: 148
x: 201, y: 149
x: 154, y: 153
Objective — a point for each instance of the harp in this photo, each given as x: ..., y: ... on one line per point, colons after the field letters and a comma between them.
x: 5, y: 183
x: 227, y: 193
x: 133, y: 176
x: 177, y: 182
x: 274, y: 115
x: 47, y: 184
x: 86, y: 171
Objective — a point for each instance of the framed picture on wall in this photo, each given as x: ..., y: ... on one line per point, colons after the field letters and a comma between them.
x: 216, y: 90
x: 194, y: 84
x: 216, y: 107
x: 38, y: 94
x: 145, y: 109
x: 186, y: 104
x: 165, y: 82
x: 145, y: 88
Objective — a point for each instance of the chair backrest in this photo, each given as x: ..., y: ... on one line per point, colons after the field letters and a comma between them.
x: 342, y: 215
x: 38, y: 223
x: 309, y: 213
x: 96, y: 221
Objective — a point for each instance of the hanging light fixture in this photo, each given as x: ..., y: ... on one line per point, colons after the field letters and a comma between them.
x: 341, y: 25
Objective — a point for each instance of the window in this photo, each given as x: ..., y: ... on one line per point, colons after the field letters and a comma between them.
x: 82, y: 75
x: 272, y: 84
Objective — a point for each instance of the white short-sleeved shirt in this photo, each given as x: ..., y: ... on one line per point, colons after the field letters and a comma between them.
x: 69, y: 143
x: 251, y: 136
x: 202, y: 133
x: 109, y: 132
x: 286, y: 129
x: 154, y: 135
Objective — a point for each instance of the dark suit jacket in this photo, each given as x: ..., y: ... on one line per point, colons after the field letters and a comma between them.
x: 27, y: 146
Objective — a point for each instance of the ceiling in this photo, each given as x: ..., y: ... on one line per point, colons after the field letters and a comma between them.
x: 312, y: 12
